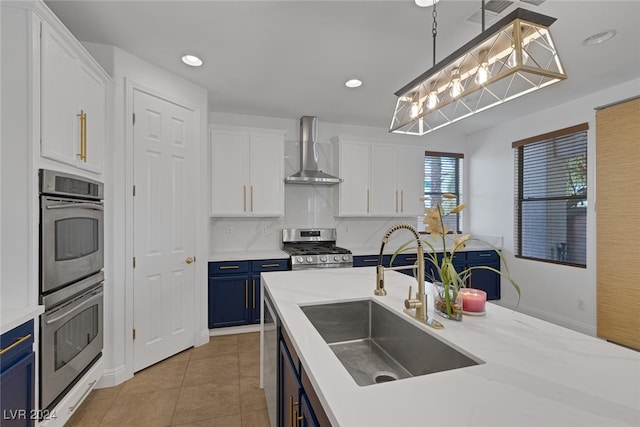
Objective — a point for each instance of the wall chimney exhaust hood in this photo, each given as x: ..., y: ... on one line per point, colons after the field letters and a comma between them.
x: 309, y: 172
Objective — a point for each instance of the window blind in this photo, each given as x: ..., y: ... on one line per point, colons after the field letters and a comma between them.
x: 443, y: 174
x: 551, y: 196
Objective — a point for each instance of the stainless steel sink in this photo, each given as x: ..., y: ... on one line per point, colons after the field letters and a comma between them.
x: 376, y: 345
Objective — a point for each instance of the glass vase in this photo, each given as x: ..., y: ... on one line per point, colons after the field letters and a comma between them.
x: 451, y: 309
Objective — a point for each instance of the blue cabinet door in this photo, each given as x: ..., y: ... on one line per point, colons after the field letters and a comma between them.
x: 306, y: 413
x: 485, y: 280
x: 289, y: 390
x: 229, y: 299
x: 254, y: 307
x: 17, y: 376
x: 17, y: 391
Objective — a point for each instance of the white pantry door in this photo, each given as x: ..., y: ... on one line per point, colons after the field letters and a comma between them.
x: 163, y: 222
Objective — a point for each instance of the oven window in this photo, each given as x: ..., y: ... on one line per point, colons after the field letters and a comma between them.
x: 76, y: 238
x: 76, y: 334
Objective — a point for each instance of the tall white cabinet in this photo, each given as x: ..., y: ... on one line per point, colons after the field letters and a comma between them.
x: 247, y: 172
x: 379, y: 179
x: 73, y: 103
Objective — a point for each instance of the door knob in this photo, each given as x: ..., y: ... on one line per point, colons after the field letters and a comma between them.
x: 189, y: 260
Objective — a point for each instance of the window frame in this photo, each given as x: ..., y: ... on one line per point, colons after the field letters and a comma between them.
x: 518, y: 146
x: 459, y: 158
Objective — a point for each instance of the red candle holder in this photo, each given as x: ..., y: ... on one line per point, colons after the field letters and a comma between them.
x: 473, y: 301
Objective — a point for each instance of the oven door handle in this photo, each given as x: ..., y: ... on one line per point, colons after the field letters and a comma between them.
x: 94, y: 206
x: 96, y: 295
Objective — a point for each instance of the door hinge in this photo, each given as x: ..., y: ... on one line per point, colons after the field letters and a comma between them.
x: 134, y: 333
x: 134, y: 191
x: 134, y: 118
x: 134, y: 262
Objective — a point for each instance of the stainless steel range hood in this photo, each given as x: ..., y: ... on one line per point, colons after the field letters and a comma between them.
x: 309, y: 172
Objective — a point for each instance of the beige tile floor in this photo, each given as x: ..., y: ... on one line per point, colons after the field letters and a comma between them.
x: 213, y: 385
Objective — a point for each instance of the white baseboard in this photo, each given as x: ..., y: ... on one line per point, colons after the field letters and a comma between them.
x: 203, y: 338
x: 112, y: 377
x: 234, y: 330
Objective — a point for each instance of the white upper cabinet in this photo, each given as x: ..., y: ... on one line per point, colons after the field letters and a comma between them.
x: 379, y: 179
x: 410, y: 180
x: 247, y: 172
x: 73, y: 102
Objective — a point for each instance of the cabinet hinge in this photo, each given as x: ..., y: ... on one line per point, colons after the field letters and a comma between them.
x: 134, y: 262
x: 134, y: 333
x: 134, y: 191
x: 134, y: 118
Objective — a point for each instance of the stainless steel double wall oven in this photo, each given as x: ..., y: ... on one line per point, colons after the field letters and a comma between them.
x: 71, y: 281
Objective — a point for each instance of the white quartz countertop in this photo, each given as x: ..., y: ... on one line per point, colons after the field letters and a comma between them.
x: 248, y: 255
x: 12, y: 317
x: 535, y: 373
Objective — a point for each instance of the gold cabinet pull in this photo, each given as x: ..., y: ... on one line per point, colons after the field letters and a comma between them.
x: 246, y: 294
x: 251, y: 197
x: 189, y: 260
x: 229, y: 267
x: 83, y: 136
x: 402, y: 201
x: 253, y: 288
x: 367, y: 200
x: 244, y: 198
x: 370, y: 260
x: 270, y: 265
x: 396, y: 201
x: 15, y: 344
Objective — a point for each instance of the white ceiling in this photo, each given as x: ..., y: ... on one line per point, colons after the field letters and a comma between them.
x: 291, y: 58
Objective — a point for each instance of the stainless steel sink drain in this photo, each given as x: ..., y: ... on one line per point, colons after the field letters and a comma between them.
x: 384, y: 377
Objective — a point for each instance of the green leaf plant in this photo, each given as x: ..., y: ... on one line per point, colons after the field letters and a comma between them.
x: 452, y: 280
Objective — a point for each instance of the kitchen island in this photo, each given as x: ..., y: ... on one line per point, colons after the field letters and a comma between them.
x: 534, y: 373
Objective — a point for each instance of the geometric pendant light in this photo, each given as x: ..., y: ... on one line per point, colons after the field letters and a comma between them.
x: 515, y: 56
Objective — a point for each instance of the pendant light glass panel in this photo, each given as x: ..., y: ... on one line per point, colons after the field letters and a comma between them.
x: 535, y: 64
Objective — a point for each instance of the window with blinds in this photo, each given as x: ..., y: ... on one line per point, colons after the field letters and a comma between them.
x: 551, y: 196
x: 443, y: 174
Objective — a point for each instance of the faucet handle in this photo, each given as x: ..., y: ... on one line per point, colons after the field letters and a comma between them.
x: 410, y: 303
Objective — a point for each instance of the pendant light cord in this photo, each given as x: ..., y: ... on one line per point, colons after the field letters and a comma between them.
x: 483, y: 16
x: 434, y: 30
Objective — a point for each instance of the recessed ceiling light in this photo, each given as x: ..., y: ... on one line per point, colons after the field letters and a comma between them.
x: 192, y: 60
x: 425, y: 3
x: 353, y: 83
x: 599, y: 38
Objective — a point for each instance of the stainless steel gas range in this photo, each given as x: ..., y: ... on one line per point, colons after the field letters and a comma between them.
x: 314, y: 248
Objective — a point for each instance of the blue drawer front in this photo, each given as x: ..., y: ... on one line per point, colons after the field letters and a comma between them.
x: 269, y: 265
x: 228, y: 267
x: 482, y: 256
x: 370, y: 260
x: 22, y: 333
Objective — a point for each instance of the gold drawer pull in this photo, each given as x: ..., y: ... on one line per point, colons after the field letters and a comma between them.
x: 270, y: 265
x: 411, y: 259
x: 370, y: 260
x: 229, y: 267
x: 15, y: 344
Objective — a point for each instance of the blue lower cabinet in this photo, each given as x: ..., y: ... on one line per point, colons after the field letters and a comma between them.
x: 234, y: 290
x: 17, y: 377
x: 308, y: 419
x: 295, y: 395
x: 228, y: 301
x: 486, y: 280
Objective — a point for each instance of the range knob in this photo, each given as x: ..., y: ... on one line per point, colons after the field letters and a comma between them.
x: 336, y: 258
x: 323, y: 258
x: 300, y: 259
x: 345, y: 257
x: 309, y: 259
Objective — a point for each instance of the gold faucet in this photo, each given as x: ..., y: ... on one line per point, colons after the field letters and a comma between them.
x: 419, y: 303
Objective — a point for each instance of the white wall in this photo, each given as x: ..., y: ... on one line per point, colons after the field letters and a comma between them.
x: 549, y: 291
x: 307, y: 205
x: 127, y: 70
